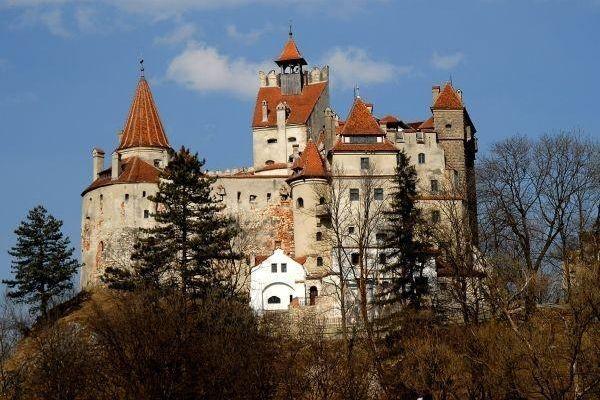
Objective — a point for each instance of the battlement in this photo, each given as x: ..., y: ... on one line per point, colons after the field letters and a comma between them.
x: 274, y: 79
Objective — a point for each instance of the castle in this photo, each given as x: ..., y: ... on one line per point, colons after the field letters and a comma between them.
x: 302, y: 150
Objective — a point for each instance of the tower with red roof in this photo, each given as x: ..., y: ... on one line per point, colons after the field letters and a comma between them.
x: 290, y: 108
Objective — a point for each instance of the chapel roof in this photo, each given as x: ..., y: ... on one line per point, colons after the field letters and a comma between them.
x: 143, y: 127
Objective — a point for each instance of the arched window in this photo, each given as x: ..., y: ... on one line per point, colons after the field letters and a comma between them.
x: 269, y: 162
x: 448, y: 126
x: 273, y: 300
x: 300, y: 202
x: 314, y: 292
x: 272, y: 140
x: 319, y: 261
x: 421, y: 158
x: 319, y: 236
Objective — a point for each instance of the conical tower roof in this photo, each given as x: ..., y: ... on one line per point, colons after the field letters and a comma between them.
x: 310, y: 164
x: 361, y: 121
x: 143, y: 127
x: 290, y: 53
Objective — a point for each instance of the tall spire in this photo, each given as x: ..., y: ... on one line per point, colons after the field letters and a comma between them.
x: 143, y: 127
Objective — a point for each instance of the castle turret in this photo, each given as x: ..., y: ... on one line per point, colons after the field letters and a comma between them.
x: 456, y: 135
x: 116, y: 203
x: 309, y: 189
x: 290, y: 108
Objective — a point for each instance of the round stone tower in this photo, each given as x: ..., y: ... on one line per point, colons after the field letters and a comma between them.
x: 309, y: 185
x: 116, y: 203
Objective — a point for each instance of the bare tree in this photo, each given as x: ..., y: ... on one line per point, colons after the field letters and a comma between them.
x: 530, y: 192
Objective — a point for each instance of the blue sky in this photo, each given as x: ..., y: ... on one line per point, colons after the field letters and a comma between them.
x: 68, y: 69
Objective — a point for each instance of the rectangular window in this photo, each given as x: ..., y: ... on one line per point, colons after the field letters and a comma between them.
x: 274, y: 268
x: 399, y: 137
x: 353, y: 194
x: 268, y: 196
x: 146, y: 213
x: 382, y: 258
x: 435, y: 186
x: 435, y: 216
x: 364, y: 163
x: 126, y: 196
x: 354, y: 258
x: 283, y: 267
x: 378, y: 194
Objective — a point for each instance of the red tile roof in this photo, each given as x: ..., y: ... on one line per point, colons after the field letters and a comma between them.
x: 260, y: 258
x: 385, y: 146
x: 389, y: 119
x: 290, y: 52
x: 301, y: 105
x: 360, y: 121
x: 310, y: 164
x: 415, y: 125
x: 143, y: 127
x: 427, y: 124
x: 133, y: 170
x: 448, y: 99
x: 270, y: 167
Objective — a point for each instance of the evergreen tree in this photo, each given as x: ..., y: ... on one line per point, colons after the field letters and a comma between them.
x: 43, y: 262
x: 192, y: 237
x: 408, y: 241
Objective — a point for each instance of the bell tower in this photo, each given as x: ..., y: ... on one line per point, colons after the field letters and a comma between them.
x: 291, y: 62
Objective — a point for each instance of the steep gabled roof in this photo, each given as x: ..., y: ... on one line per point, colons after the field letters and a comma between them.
x: 300, y: 105
x: 448, y: 99
x: 360, y: 121
x: 143, y: 127
x: 310, y: 164
x: 290, y: 53
x: 133, y: 170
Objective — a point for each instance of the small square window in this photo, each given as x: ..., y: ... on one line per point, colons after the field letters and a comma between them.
x: 274, y: 268
x: 378, y: 194
x: 283, y: 267
x: 146, y: 213
x: 435, y: 216
x: 364, y: 163
x: 435, y: 186
x: 353, y: 194
x: 350, y: 230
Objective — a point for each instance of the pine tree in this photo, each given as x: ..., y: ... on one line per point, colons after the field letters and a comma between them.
x: 191, y: 239
x: 43, y: 262
x: 408, y: 241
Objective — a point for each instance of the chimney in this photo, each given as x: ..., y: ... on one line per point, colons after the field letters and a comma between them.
x: 115, y: 165
x: 265, y: 111
x: 459, y: 92
x: 281, y: 113
x: 330, y: 125
x: 120, y: 136
x: 262, y: 79
x: 435, y: 91
x: 370, y: 108
x: 98, y: 162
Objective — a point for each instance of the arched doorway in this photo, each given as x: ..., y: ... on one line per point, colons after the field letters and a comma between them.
x: 313, y: 293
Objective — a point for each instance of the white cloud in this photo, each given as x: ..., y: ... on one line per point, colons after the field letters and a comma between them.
x: 249, y: 37
x: 84, y: 17
x: 203, y: 68
x: 447, y: 61
x: 180, y: 34
x: 51, y: 19
x: 352, y: 65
